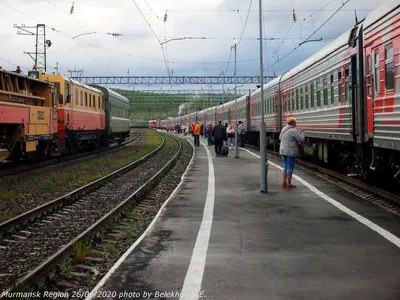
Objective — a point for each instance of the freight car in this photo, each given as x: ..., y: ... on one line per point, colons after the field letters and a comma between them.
x: 28, y: 117
x: 346, y: 97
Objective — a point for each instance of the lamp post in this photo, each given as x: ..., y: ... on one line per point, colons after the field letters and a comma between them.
x: 263, y: 177
x: 236, y: 121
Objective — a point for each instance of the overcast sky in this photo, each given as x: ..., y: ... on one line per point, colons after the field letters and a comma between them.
x: 138, y: 47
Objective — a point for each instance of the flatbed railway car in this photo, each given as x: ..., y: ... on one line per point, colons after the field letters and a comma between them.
x: 28, y: 117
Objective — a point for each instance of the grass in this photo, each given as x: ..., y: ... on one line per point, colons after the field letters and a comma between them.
x: 81, y: 252
x: 78, y: 175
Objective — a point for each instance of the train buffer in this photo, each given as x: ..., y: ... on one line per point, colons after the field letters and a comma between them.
x: 218, y: 237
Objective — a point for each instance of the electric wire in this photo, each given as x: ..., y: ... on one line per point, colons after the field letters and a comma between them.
x: 245, y: 23
x: 343, y: 4
x: 162, y: 48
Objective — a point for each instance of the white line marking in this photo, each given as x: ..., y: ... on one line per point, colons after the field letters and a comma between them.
x: 194, y: 276
x: 150, y: 227
x: 386, y: 234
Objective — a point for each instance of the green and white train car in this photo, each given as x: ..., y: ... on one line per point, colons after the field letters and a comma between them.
x: 117, y: 114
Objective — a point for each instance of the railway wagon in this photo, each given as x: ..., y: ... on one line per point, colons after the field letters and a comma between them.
x: 28, y: 117
x: 116, y: 114
x: 346, y: 96
x: 81, y: 114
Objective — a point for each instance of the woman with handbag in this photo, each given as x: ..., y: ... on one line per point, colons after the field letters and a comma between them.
x: 290, y: 138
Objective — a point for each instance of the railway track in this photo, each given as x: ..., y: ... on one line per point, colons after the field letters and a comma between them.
x: 36, y: 243
x: 24, y: 168
x: 361, y: 189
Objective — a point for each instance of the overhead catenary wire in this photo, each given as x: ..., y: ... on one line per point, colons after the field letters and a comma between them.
x: 315, y: 31
x: 162, y: 48
x: 52, y: 28
x: 245, y: 23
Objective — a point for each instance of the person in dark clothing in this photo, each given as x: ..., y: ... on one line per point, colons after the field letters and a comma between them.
x: 219, y: 134
x: 201, y: 130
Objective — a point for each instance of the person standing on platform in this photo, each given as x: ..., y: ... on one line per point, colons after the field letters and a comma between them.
x: 241, y: 134
x: 202, y: 131
x: 231, y: 136
x: 219, y: 134
x: 209, y: 134
x: 196, y: 133
x: 290, y: 138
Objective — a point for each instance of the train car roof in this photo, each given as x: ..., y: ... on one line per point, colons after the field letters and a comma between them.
x: 317, y: 56
x: 115, y: 94
x: 267, y: 85
x: 382, y: 10
x: 82, y: 84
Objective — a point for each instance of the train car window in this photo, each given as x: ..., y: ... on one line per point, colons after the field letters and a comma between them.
x: 81, y: 98
x: 99, y: 103
x: 339, y: 87
x: 94, y: 101
x: 389, y: 68
x: 377, y: 73
x: 318, y: 93
x: 312, y: 94
x: 90, y: 100
x: 76, y: 96
x: 301, y: 99
x: 346, y: 86
x: 332, y: 91
x: 293, y: 107
x: 325, y: 81
x: 331, y: 78
x: 86, y: 102
x: 67, y: 91
x: 297, y: 99
x: 369, y: 69
x: 306, y: 96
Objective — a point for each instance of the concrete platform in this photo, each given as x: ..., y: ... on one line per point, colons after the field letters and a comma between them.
x: 219, y: 238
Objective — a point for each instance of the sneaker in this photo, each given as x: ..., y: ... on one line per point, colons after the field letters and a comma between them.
x: 283, y: 185
x: 290, y: 186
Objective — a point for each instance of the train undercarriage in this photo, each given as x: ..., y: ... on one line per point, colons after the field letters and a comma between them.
x: 377, y: 166
x: 15, y: 146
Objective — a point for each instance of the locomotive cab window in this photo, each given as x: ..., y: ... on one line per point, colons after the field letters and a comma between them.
x: 389, y: 68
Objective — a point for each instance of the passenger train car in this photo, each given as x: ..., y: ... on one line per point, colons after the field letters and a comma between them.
x: 346, y: 97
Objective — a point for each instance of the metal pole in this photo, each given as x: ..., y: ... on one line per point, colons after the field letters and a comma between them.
x: 211, y: 96
x: 263, y: 158
x: 223, y: 91
x: 236, y: 120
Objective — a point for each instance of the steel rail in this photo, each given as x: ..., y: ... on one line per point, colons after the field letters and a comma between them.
x: 53, y: 263
x: 8, y: 226
x: 29, y: 167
